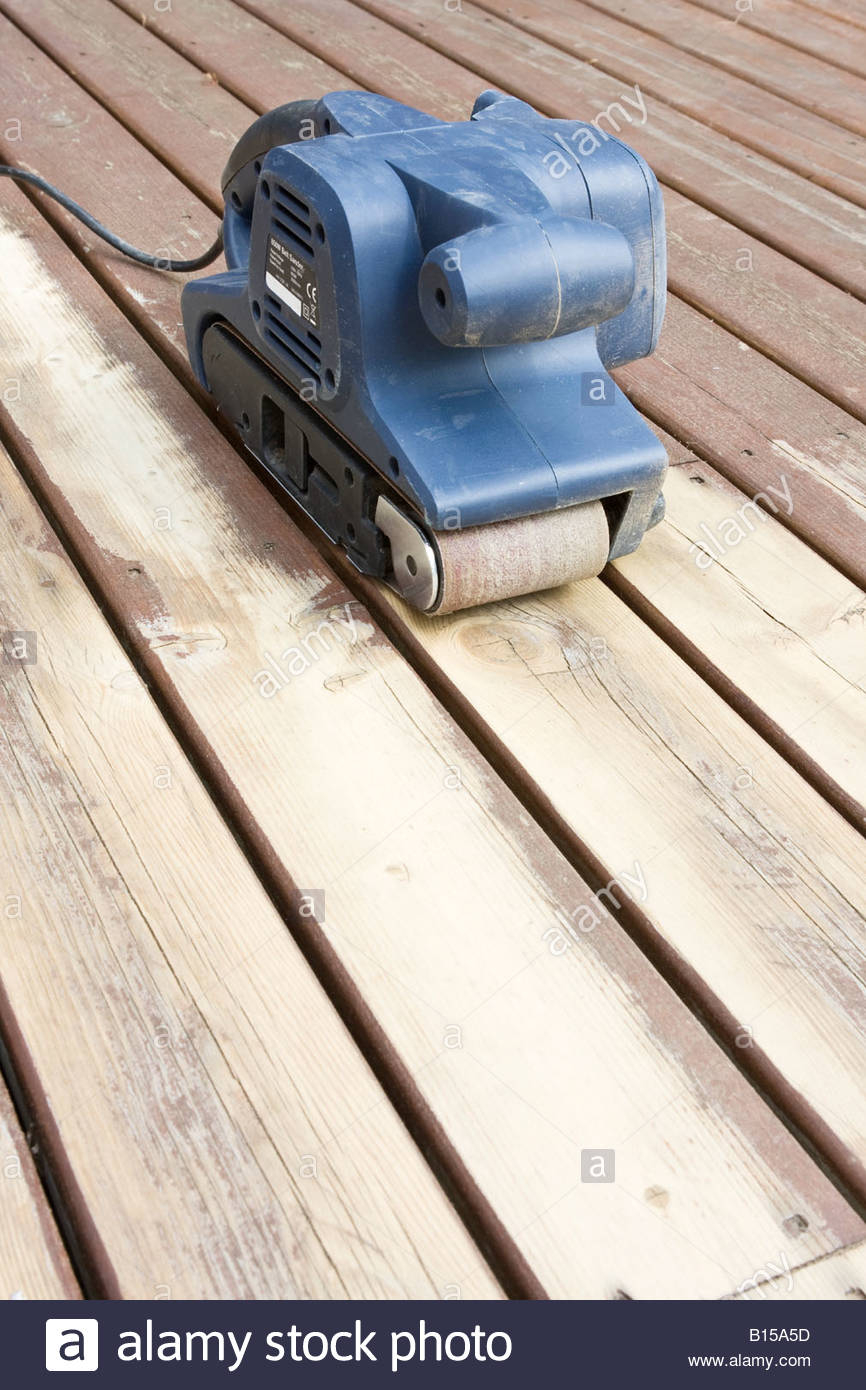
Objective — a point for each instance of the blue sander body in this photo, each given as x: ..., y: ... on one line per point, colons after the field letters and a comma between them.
x: 415, y: 332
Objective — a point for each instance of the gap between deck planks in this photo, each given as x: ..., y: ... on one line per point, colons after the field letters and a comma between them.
x: 724, y: 1025
x: 33, y: 1262
x: 787, y: 25
x: 441, y: 893
x: 217, y: 1125
x: 836, y: 1276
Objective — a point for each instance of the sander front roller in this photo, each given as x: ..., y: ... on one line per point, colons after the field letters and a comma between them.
x: 415, y: 332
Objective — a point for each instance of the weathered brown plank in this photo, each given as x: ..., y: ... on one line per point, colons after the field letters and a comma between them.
x: 852, y: 11
x: 250, y: 53
x: 245, y: 1148
x: 439, y: 878
x: 831, y: 37
x: 103, y: 48
x: 793, y: 316
x: 731, y: 44
x: 33, y: 1262
x: 806, y: 222
x: 773, y: 125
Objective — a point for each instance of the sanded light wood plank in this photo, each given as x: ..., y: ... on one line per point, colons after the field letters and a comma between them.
x: 774, y: 126
x: 809, y: 223
x: 222, y: 1131
x: 444, y: 901
x: 752, y: 879
x: 33, y: 1262
x: 831, y: 37
x: 724, y: 40
x: 773, y: 618
x: 737, y: 410
x: 837, y: 1276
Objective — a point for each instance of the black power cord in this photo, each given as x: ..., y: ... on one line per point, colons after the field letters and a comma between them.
x: 143, y: 257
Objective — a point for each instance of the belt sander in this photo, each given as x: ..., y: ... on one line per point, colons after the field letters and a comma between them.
x: 415, y: 331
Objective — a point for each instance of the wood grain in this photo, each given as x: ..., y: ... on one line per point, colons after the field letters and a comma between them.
x: 756, y: 424
x: 850, y: 11
x: 219, y: 1127
x: 106, y: 51
x: 770, y: 124
x: 765, y: 617
x: 837, y: 1276
x: 33, y: 1262
x: 443, y: 899
x: 830, y: 37
x: 812, y: 329
x: 777, y: 66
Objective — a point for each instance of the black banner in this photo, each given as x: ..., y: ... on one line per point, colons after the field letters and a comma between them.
x: 429, y: 1344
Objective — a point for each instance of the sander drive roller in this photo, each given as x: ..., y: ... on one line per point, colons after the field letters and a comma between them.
x: 462, y: 569
x: 415, y: 332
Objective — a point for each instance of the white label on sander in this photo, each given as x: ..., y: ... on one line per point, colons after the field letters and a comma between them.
x: 283, y: 293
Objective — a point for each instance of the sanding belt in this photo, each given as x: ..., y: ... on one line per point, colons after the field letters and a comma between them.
x: 506, y: 558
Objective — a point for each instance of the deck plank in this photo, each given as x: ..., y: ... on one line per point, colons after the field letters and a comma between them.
x: 807, y: 326
x: 104, y: 51
x: 767, y: 61
x: 33, y: 1262
x: 439, y: 890
x: 245, y: 1148
x: 757, y: 425
x: 772, y: 125
x: 778, y: 627
x: 850, y: 11
x: 829, y: 37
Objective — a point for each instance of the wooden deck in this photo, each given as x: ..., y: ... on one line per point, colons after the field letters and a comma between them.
x: 290, y: 1007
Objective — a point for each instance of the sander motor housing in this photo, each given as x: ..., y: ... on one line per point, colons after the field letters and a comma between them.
x: 416, y: 326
